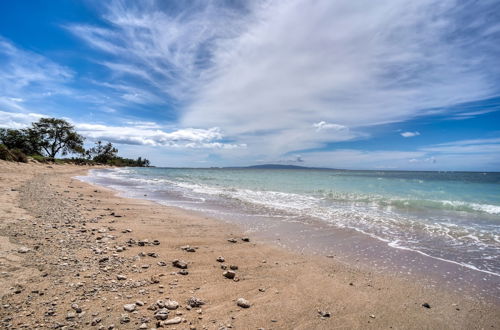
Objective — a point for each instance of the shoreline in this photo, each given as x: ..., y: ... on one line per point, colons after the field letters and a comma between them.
x: 315, y: 237
x: 93, y: 224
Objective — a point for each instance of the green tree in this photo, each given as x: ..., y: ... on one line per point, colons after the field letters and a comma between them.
x: 57, y: 135
x: 25, y: 140
x: 103, y: 153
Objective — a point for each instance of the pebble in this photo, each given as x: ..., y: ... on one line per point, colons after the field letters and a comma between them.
x: 183, y: 272
x: 220, y: 259
x: 171, y: 304
x: 23, y: 249
x: 188, y: 248
x: 195, y: 302
x: 121, y: 277
x: 76, y: 308
x: 233, y: 267
x: 243, y: 303
x: 229, y: 274
x: 426, y: 305
x: 245, y: 239
x: 124, y: 318
x: 175, y: 320
x: 232, y: 240
x: 129, y: 307
x: 161, y: 314
x: 95, y: 321
x: 324, y: 314
x: 179, y: 264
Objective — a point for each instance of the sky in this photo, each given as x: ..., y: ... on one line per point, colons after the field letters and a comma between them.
x: 388, y: 84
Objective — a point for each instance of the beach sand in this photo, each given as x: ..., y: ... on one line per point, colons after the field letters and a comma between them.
x: 72, y: 255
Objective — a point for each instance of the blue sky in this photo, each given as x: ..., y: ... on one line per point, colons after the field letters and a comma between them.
x: 384, y: 84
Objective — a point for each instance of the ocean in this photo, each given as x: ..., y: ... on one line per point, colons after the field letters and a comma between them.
x: 449, y: 216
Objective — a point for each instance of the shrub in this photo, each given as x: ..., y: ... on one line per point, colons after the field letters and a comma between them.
x: 5, y: 153
x: 39, y: 158
x: 14, y: 155
x: 19, y: 156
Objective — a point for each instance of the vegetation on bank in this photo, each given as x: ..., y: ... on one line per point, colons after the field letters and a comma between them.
x: 49, y: 137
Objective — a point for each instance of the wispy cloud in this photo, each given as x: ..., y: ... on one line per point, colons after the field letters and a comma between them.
x: 18, y: 120
x: 26, y: 76
x: 410, y: 134
x: 344, y: 66
x: 149, y: 134
x: 475, y: 146
x: 251, y: 70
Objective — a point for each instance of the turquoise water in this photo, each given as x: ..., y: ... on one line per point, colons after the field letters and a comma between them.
x: 451, y: 216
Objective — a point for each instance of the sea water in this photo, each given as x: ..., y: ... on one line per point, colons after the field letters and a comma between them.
x: 450, y: 216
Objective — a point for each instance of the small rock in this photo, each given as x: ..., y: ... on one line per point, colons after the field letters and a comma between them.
x: 175, y: 320
x: 171, y: 304
x: 179, y: 264
x: 245, y: 239
x: 76, y: 308
x: 121, y: 277
x: 161, y: 314
x: 232, y: 240
x: 426, y: 305
x: 129, y: 307
x: 95, y: 321
x: 324, y: 314
x: 229, y: 274
x: 161, y: 263
x: 372, y: 316
x: 243, y: 303
x: 195, y: 302
x: 23, y: 249
x: 188, y: 248
x: 183, y: 272
x: 124, y: 318
x: 143, y: 326
x: 139, y: 303
x: 233, y: 267
x: 220, y: 259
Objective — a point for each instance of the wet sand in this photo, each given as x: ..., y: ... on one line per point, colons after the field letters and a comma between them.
x: 73, y: 255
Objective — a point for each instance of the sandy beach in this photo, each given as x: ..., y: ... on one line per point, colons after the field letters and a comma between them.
x: 73, y: 255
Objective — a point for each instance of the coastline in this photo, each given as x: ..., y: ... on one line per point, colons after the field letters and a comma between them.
x: 68, y: 227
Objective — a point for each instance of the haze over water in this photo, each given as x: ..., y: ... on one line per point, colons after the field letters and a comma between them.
x: 453, y: 216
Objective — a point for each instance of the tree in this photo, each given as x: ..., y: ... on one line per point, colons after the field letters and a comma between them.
x: 103, y: 153
x: 25, y: 140
x: 57, y: 135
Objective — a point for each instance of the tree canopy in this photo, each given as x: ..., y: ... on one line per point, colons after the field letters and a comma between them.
x: 53, y: 136
x: 57, y: 135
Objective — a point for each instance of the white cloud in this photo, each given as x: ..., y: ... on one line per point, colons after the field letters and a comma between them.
x: 18, y: 120
x: 256, y: 73
x: 410, y: 134
x: 324, y: 125
x: 148, y: 134
x: 26, y: 74
x: 476, y: 146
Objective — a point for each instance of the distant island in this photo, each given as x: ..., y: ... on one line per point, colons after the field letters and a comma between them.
x: 281, y: 167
